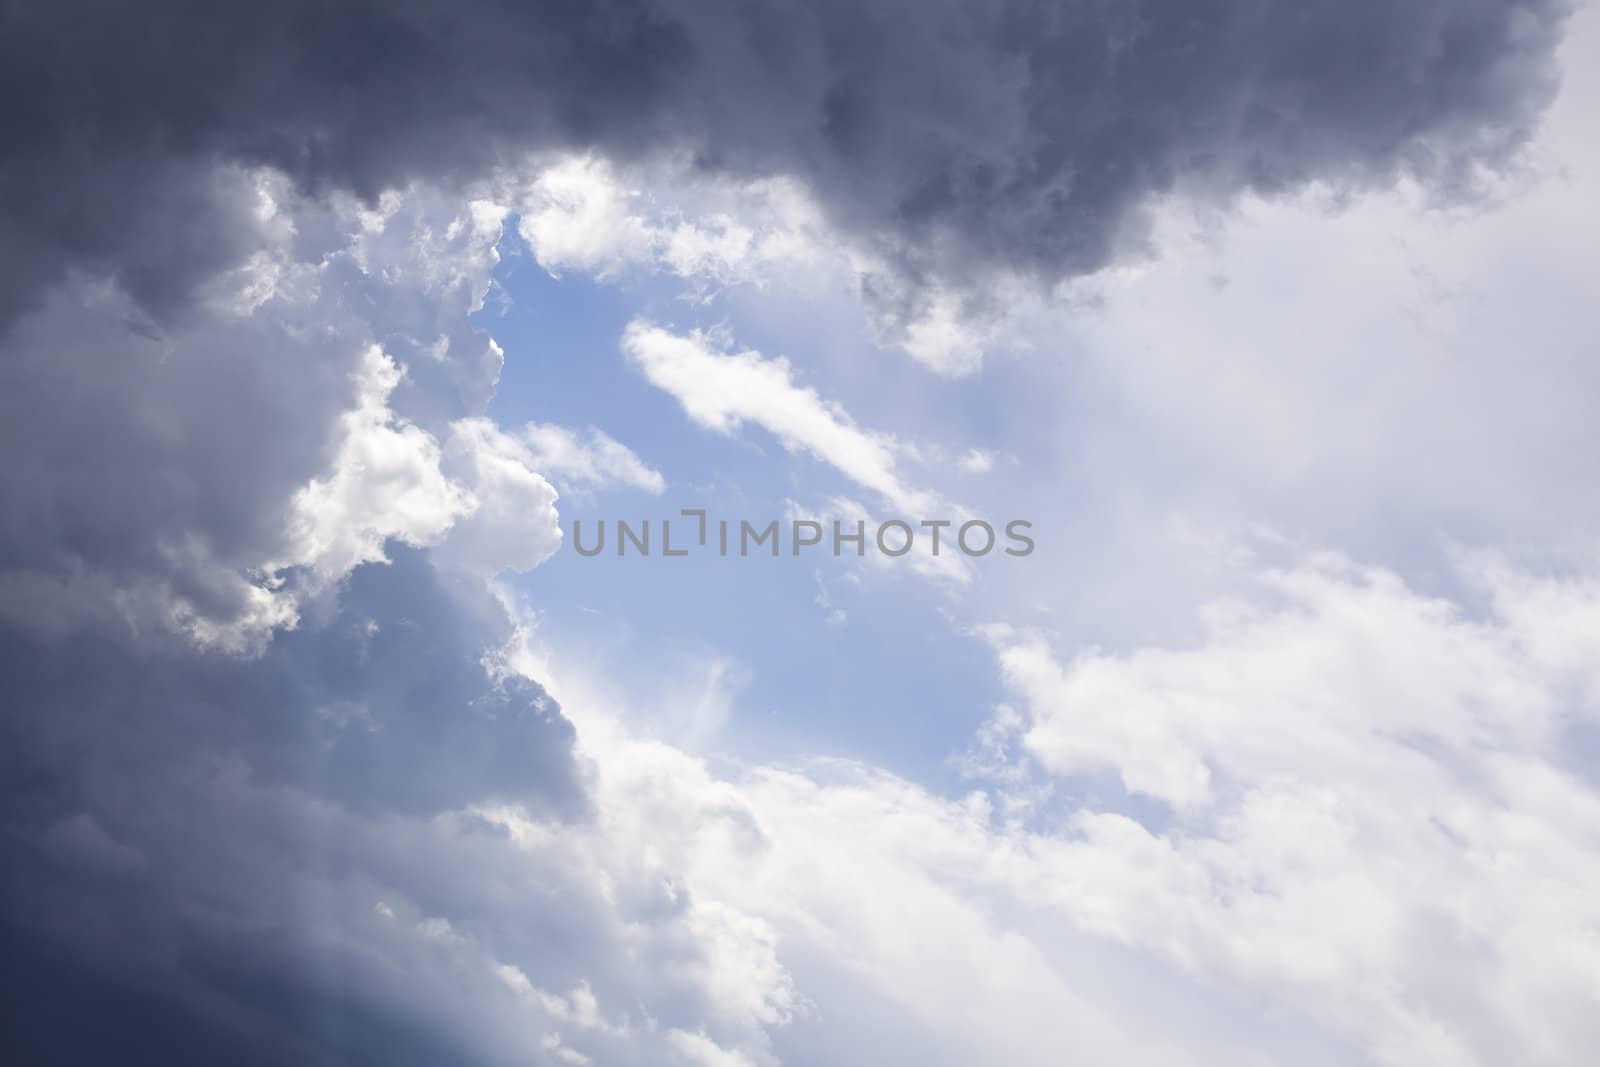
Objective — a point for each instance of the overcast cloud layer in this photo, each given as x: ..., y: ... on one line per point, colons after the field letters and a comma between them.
x: 293, y: 770
x: 951, y: 138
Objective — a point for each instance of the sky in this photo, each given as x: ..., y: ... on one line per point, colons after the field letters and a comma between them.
x: 323, y: 326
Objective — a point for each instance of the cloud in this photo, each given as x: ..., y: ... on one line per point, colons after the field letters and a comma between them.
x: 255, y: 705
x: 1390, y: 782
x: 513, y: 525
x: 235, y: 687
x: 385, y: 483
x: 577, y: 216
x: 1319, y: 402
x: 1387, y: 779
x: 588, y: 461
x: 954, y: 139
x: 1312, y: 833
x: 578, y: 213
x: 908, y: 922
x: 224, y: 824
x: 277, y: 784
x: 206, y: 476
x: 722, y: 390
x: 1359, y: 789
x: 671, y: 218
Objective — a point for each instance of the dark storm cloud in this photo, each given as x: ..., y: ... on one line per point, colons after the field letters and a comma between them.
x: 956, y: 135
x: 276, y: 860
x: 196, y: 838
x: 171, y: 821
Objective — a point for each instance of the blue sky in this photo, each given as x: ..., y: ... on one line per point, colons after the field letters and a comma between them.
x: 800, y: 681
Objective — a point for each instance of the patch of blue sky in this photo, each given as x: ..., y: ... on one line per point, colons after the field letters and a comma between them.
x: 837, y: 659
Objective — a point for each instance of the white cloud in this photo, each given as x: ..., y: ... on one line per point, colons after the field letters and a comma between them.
x: 578, y: 213
x: 577, y: 216
x: 588, y: 461
x: 701, y: 1051
x: 514, y: 525
x: 948, y: 330
x: 1372, y: 808
x: 478, y: 499
x: 721, y: 390
x: 347, y: 414
x: 844, y: 893
x: 385, y: 482
x: 1373, y: 843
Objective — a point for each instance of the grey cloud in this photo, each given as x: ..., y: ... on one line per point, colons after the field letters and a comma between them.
x: 224, y: 857
x: 384, y: 706
x: 955, y: 136
x: 139, y: 454
x: 196, y: 840
x: 172, y: 820
x: 151, y: 465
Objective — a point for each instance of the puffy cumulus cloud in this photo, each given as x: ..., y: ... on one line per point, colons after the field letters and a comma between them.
x: 261, y: 757
x: 478, y: 498
x: 580, y: 213
x: 578, y: 216
x: 814, y: 915
x: 385, y: 483
x: 1353, y: 825
x: 1371, y: 801
x: 951, y: 138
x: 909, y: 927
x: 204, y: 475
x: 1385, y: 781
x: 514, y: 525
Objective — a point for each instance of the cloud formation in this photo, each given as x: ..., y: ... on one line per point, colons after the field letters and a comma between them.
x: 1370, y: 800
x: 952, y: 138
x: 367, y: 842
x: 589, y: 460
x: 263, y: 749
x: 207, y: 476
x: 721, y: 391
x: 278, y: 781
